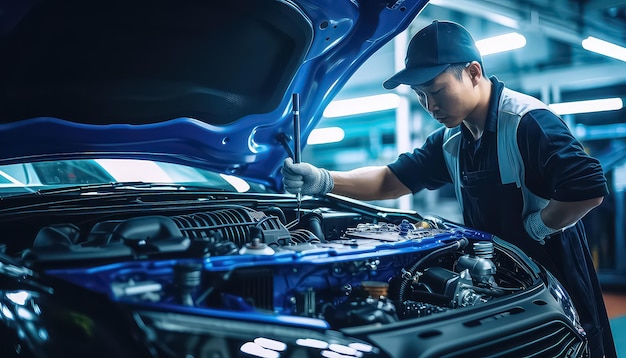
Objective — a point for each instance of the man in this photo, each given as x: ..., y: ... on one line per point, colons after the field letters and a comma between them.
x: 517, y: 170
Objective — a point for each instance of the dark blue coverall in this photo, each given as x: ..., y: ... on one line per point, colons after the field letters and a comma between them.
x: 557, y: 167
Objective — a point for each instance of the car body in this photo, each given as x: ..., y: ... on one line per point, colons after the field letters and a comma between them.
x: 142, y: 211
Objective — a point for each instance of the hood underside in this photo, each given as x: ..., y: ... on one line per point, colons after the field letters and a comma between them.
x: 145, y: 62
x: 194, y: 82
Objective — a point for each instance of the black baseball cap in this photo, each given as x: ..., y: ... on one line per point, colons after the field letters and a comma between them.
x: 432, y: 50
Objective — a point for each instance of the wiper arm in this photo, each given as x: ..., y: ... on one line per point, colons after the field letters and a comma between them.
x: 113, y: 186
x: 174, y: 186
x: 90, y: 187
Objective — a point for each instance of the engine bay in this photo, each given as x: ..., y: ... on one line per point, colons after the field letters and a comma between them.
x: 322, y: 268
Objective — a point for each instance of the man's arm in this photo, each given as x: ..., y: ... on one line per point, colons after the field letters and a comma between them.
x: 557, y: 215
x: 559, y: 168
x: 368, y: 183
x: 560, y: 214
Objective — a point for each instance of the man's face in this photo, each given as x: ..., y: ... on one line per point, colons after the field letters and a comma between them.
x: 448, y: 99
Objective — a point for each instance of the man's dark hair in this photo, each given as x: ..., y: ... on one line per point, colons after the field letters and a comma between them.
x: 457, y: 69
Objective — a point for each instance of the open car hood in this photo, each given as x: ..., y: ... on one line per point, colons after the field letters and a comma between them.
x: 206, y: 83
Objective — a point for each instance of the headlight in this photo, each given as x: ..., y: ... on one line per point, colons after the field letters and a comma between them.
x: 561, y: 296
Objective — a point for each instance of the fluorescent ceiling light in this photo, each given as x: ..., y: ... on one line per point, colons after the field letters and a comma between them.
x: 360, y: 105
x: 326, y: 135
x: 595, y: 105
x: 501, y: 43
x: 604, y: 48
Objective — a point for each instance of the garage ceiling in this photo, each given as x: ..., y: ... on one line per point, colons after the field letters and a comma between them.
x: 554, y: 30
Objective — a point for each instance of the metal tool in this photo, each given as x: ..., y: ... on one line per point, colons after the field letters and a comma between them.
x: 296, y: 142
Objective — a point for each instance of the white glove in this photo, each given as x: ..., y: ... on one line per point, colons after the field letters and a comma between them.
x: 305, y: 178
x: 536, y: 228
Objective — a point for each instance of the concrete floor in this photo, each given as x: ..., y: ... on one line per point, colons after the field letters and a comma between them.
x: 616, y: 308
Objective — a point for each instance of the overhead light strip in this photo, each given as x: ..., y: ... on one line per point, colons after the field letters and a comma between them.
x: 501, y: 43
x: 594, y: 105
x: 326, y: 135
x: 361, y: 105
x: 604, y: 48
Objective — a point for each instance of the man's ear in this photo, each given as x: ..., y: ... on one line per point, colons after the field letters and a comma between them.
x: 475, y: 71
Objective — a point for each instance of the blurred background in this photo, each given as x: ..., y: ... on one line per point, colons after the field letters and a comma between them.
x: 560, y: 51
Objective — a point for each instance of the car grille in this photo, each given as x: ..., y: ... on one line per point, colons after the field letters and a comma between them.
x: 553, y: 339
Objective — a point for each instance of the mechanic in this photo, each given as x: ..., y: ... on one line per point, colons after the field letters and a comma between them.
x: 518, y: 171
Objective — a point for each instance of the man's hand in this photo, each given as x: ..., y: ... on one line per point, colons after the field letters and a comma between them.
x: 561, y: 215
x: 305, y: 178
x: 536, y: 228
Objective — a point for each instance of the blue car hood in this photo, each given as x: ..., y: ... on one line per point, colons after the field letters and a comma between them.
x: 204, y: 83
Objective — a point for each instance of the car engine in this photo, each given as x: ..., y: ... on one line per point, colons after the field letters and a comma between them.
x: 322, y: 267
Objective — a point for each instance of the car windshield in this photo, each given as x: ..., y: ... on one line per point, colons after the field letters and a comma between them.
x: 16, y: 179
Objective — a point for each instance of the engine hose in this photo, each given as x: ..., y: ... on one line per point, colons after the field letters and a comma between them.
x: 276, y: 211
x: 407, y: 280
x: 314, y: 221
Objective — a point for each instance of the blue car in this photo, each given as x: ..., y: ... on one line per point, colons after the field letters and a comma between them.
x: 142, y: 212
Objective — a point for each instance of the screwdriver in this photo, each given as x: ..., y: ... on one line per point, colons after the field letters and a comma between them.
x: 296, y: 142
